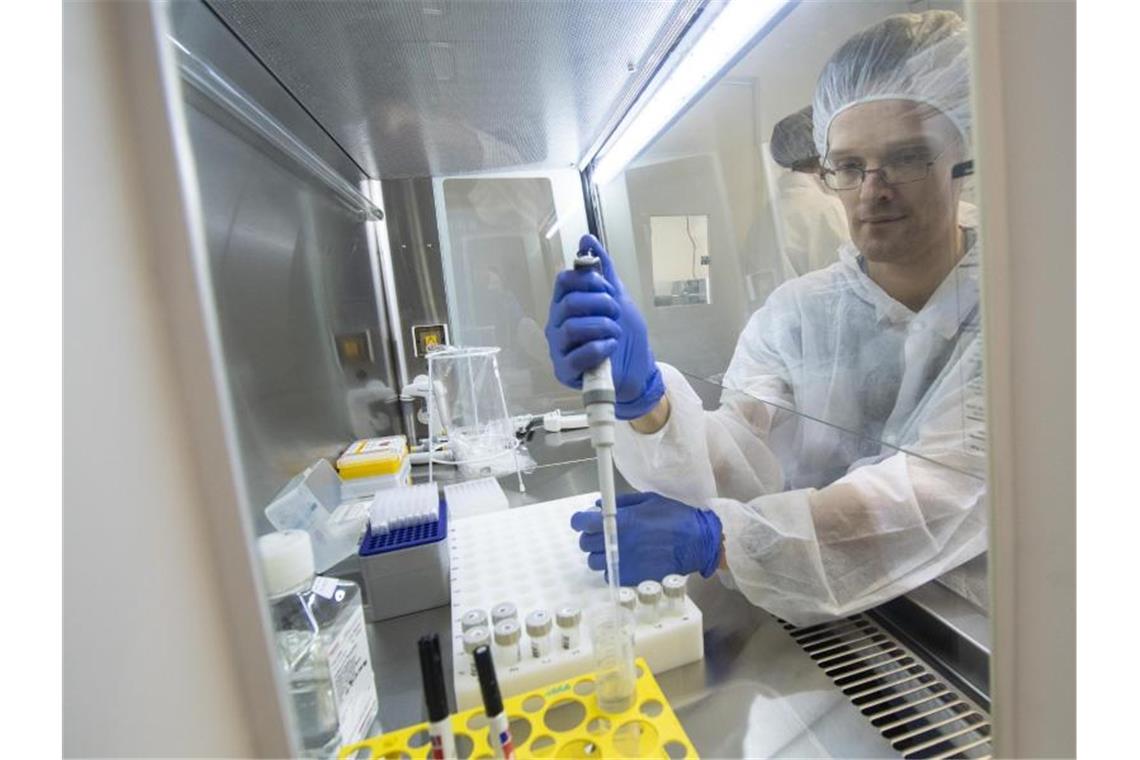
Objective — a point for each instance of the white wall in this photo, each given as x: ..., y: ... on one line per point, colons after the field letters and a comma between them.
x: 147, y: 668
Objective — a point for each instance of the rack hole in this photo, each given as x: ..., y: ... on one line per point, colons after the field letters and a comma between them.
x: 542, y: 746
x: 418, y: 739
x: 585, y: 687
x: 675, y: 750
x: 464, y: 746
x: 652, y: 708
x: 565, y: 715
x: 580, y: 748
x: 636, y: 739
x: 477, y: 721
x: 598, y: 725
x: 520, y: 730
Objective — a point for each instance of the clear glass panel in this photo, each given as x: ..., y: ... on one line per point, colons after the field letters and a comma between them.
x: 680, y: 248
x: 505, y: 239
x: 831, y: 391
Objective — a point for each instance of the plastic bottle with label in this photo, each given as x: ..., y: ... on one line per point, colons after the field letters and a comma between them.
x: 322, y: 646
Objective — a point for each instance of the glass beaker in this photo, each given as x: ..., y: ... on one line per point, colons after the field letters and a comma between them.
x: 611, y: 636
x: 467, y: 405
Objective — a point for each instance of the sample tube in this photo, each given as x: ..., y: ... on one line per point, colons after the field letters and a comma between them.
x: 508, y: 635
x: 473, y: 619
x: 648, y: 597
x: 674, y: 588
x: 504, y: 611
x: 627, y: 598
x: 569, y: 620
x: 472, y: 640
x: 499, y: 727
x: 538, y: 627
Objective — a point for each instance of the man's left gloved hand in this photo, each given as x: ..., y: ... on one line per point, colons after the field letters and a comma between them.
x: 656, y: 536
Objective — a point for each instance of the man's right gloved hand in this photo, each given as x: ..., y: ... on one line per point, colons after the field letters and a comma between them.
x: 592, y: 318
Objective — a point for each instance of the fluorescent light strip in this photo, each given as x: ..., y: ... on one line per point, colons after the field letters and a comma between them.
x: 720, y: 42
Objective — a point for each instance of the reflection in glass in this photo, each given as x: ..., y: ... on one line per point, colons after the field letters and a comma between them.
x: 840, y: 437
x: 680, y: 246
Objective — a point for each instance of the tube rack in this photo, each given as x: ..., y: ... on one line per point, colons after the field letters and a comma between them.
x: 559, y: 720
x: 530, y: 556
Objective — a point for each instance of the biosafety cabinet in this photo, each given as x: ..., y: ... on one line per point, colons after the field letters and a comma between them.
x: 284, y: 207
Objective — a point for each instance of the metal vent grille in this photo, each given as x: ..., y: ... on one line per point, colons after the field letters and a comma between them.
x: 911, y: 706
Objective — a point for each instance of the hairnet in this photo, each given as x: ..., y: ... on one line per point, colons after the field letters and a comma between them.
x: 792, y: 144
x: 922, y: 57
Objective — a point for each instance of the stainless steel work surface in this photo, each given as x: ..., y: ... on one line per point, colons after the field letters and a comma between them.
x: 756, y: 693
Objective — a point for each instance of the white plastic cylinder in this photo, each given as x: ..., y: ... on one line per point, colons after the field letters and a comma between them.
x: 507, y: 649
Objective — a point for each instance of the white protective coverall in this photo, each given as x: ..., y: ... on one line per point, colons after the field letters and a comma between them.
x: 847, y: 459
x: 812, y: 223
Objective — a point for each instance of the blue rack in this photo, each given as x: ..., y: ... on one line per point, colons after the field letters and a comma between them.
x: 406, y: 538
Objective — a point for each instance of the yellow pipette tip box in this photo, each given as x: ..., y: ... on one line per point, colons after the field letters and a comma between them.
x: 370, y: 457
x: 561, y: 720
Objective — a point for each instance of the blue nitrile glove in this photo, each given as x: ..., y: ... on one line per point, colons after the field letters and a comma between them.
x: 656, y: 536
x: 591, y: 318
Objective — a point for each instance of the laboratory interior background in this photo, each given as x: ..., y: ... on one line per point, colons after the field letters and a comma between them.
x: 314, y: 309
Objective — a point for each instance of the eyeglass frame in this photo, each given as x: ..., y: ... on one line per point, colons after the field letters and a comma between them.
x: 824, y: 172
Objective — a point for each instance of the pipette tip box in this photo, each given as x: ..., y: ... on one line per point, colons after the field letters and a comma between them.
x: 406, y: 569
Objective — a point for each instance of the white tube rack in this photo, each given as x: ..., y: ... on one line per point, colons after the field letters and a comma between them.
x: 530, y: 556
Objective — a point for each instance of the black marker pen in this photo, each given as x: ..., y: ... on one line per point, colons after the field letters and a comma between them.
x: 500, y: 727
x: 435, y: 695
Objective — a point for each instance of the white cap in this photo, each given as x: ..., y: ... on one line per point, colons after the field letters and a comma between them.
x: 648, y: 592
x: 538, y: 623
x: 286, y: 560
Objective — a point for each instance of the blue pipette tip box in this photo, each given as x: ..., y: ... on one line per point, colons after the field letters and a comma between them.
x: 406, y: 538
x: 407, y: 569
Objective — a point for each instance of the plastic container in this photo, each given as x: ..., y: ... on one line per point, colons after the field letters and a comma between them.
x: 322, y: 646
x: 360, y: 488
x: 407, y: 569
x: 648, y: 602
x: 539, y: 625
x: 308, y: 502
x: 611, y: 636
x: 373, y: 457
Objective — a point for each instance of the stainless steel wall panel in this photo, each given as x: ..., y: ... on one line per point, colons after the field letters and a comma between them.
x: 200, y: 30
x: 306, y: 347
x: 417, y: 266
x: 438, y: 87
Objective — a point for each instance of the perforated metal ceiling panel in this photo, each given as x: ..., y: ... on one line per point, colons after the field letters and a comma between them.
x: 430, y: 87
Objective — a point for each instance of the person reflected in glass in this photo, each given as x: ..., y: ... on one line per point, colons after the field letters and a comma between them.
x: 811, y: 221
x: 845, y: 464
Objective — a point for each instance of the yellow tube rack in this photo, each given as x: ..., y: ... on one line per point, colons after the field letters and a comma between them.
x: 561, y: 720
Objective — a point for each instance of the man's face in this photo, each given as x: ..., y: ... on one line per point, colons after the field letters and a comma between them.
x: 893, y: 223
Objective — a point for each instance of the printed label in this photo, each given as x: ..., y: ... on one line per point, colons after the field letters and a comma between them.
x: 325, y: 587
x: 354, y: 687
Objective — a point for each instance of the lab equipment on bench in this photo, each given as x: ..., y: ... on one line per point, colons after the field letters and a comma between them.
x: 406, y: 569
x: 311, y: 502
x: 613, y: 655
x: 474, y: 497
x: 435, y: 697
x: 498, y: 725
x: 403, y: 508
x: 374, y: 464
x: 466, y: 403
x: 322, y: 646
x: 509, y: 564
x: 649, y: 728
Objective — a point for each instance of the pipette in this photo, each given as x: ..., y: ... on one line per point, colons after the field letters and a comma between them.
x: 598, y: 397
